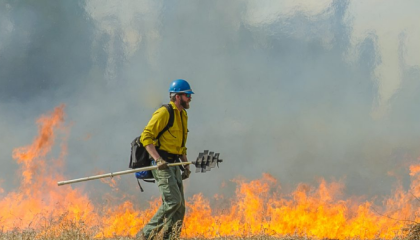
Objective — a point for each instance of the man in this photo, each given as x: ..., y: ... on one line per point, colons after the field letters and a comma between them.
x: 167, y: 149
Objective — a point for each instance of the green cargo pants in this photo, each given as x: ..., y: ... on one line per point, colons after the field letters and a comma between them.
x: 171, y: 212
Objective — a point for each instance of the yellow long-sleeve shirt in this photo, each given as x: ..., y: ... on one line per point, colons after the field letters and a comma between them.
x: 171, y: 140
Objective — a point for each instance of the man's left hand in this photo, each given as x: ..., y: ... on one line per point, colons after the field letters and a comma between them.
x: 186, y: 173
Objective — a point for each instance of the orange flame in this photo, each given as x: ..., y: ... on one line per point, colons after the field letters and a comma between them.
x: 259, y: 207
x: 37, y: 199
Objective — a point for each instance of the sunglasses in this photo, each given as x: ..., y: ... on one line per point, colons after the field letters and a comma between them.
x: 188, y: 95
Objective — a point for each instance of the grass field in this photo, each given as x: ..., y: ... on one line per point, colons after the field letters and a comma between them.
x: 75, y: 235
x: 412, y: 233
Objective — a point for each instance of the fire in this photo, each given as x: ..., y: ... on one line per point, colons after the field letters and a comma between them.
x: 259, y: 207
x: 38, y: 199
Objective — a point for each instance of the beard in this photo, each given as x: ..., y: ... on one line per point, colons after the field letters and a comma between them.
x: 185, y: 104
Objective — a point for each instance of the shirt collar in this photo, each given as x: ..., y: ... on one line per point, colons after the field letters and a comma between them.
x: 174, y: 106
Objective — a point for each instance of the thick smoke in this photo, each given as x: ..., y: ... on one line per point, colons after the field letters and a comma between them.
x: 291, y: 89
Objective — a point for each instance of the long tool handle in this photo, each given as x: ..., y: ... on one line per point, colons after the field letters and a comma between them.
x: 118, y: 173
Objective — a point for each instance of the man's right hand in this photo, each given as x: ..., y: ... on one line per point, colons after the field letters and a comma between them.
x: 161, y: 164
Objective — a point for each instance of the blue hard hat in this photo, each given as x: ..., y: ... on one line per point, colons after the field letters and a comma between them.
x: 180, y: 86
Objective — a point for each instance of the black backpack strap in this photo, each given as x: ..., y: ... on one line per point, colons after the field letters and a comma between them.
x: 183, y: 133
x: 141, y: 189
x: 149, y: 180
x: 170, y: 122
x: 146, y: 180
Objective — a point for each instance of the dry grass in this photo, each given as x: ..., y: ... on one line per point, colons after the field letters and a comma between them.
x: 29, y: 235
x: 413, y: 232
x: 76, y: 235
x: 80, y: 232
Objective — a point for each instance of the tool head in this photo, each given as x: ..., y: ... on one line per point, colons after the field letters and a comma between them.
x: 206, y: 161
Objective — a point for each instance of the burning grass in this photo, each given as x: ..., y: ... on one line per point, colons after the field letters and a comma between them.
x: 80, y: 234
x: 39, y: 209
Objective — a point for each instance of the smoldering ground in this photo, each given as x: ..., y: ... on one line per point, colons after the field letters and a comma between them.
x: 297, y: 90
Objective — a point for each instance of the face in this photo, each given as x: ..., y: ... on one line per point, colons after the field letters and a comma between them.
x: 185, y: 99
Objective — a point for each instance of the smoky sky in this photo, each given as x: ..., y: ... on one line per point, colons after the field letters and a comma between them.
x: 279, y: 96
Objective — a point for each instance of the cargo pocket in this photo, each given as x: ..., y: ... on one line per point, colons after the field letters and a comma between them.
x: 165, y: 189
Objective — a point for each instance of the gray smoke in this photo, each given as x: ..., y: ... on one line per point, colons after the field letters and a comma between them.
x: 280, y: 87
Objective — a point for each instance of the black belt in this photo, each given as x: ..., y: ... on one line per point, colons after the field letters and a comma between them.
x: 169, y: 157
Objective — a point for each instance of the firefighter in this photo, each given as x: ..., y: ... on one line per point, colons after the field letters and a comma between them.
x: 170, y: 148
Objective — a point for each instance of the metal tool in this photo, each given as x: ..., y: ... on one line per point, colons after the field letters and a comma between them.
x: 205, y: 162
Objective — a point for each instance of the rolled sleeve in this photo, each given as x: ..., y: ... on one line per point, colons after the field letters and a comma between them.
x: 156, y: 124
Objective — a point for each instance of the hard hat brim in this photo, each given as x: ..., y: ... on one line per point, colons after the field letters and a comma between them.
x: 185, y: 91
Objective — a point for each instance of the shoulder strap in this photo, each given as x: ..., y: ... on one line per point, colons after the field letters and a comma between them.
x: 183, y: 133
x: 170, y: 122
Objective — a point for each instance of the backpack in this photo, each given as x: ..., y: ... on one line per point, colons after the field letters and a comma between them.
x: 140, y: 157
